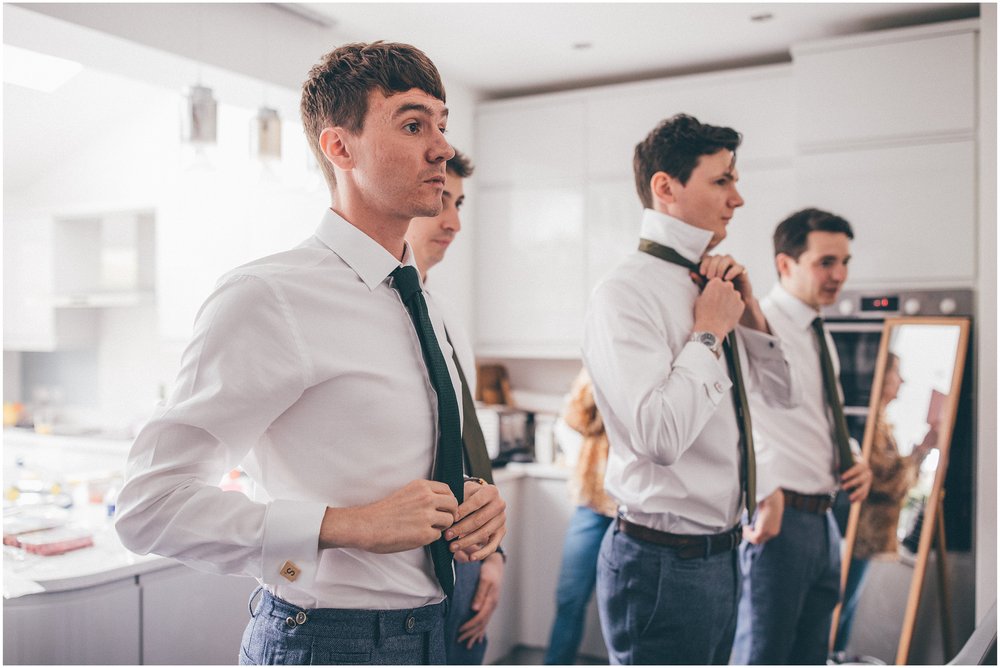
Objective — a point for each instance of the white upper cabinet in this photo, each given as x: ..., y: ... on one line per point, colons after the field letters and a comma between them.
x: 530, y: 269
x: 898, y: 84
x: 526, y: 141
x: 913, y: 209
x: 756, y: 102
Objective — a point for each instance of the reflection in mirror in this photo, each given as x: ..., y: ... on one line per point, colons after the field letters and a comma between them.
x: 913, y: 405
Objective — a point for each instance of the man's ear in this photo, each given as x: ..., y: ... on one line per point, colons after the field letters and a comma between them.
x: 782, y: 263
x: 662, y: 186
x: 333, y: 141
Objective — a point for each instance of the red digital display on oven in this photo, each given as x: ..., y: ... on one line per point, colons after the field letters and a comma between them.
x: 880, y: 304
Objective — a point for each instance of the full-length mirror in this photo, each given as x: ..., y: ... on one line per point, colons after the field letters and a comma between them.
x: 914, y: 401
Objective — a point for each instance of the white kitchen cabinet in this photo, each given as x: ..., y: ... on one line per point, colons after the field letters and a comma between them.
x: 756, y: 102
x: 530, y: 270
x: 208, y: 611
x: 93, y: 626
x: 535, y: 139
x: 37, y: 317
x: 890, y: 85
x: 913, y: 209
x: 614, y: 216
x: 546, y: 512
x: 504, y: 627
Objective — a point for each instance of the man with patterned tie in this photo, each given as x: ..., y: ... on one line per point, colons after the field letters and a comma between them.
x: 328, y: 376
x: 792, y: 582
x: 477, y: 583
x: 673, y: 396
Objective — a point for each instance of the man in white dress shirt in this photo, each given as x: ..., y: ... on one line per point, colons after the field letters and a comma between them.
x: 668, y: 580
x: 306, y: 368
x: 792, y: 582
x: 477, y: 584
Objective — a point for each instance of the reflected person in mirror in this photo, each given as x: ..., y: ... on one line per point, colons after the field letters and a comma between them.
x: 791, y: 560
x: 893, y: 474
x: 323, y: 371
x: 477, y: 583
x: 673, y: 399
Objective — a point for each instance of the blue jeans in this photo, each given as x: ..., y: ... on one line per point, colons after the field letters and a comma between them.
x: 459, y: 612
x: 577, y: 577
x: 791, y: 584
x: 280, y: 633
x: 657, y: 608
x: 852, y: 593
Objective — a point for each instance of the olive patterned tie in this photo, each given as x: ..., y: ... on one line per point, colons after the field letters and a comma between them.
x: 842, y: 446
x: 730, y: 346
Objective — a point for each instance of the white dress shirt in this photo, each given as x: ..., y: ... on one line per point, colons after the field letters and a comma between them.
x: 667, y: 402
x: 304, y: 367
x: 795, y: 447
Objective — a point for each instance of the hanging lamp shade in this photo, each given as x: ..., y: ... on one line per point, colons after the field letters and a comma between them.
x: 266, y: 134
x: 200, y: 116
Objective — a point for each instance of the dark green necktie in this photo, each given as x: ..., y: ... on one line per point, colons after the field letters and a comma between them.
x: 842, y: 450
x: 448, y: 460
x: 730, y: 346
x: 472, y: 432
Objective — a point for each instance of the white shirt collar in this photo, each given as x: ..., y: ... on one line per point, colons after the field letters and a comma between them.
x: 688, y: 240
x: 369, y: 260
x: 800, y: 313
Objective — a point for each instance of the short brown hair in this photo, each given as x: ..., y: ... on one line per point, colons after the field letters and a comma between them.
x: 337, y: 88
x: 460, y: 165
x: 791, y: 236
x: 674, y: 147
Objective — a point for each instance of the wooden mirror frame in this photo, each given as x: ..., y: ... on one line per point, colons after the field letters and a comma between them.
x: 929, y: 531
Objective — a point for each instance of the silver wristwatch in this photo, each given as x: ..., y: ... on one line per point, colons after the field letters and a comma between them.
x: 709, y: 339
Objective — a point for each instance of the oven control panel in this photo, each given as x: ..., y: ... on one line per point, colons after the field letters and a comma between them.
x: 872, y: 305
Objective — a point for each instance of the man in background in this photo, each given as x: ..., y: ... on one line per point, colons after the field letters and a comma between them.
x: 791, y: 583
x: 477, y: 583
x: 674, y: 404
x: 324, y: 372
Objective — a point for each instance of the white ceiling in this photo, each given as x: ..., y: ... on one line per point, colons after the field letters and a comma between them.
x: 504, y: 49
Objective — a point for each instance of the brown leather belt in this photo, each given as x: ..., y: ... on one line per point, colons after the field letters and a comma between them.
x: 808, y: 503
x: 687, y: 546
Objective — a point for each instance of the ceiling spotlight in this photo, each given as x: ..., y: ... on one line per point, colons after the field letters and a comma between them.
x: 760, y: 18
x: 582, y: 46
x: 266, y: 134
x: 200, y: 114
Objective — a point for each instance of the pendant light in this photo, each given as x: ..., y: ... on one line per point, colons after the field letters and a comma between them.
x: 266, y: 134
x: 200, y: 116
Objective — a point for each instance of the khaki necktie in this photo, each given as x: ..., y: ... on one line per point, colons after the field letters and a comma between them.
x: 472, y: 432
x: 730, y: 346
x: 842, y: 446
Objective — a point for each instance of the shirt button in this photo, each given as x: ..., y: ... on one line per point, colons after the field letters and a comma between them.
x: 410, y: 623
x: 718, y: 386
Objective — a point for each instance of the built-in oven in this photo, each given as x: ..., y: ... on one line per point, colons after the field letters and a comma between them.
x: 855, y: 323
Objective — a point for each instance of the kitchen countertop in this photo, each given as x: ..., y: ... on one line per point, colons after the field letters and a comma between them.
x: 108, y: 561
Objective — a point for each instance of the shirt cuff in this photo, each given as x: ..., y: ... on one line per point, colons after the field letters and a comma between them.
x: 291, y: 542
x: 760, y: 345
x: 705, y: 366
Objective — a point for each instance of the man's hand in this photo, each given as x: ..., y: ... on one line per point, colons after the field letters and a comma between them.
x: 858, y: 481
x: 485, y: 601
x: 408, y: 518
x: 727, y: 268
x: 767, y: 523
x: 718, y: 308
x: 482, y: 520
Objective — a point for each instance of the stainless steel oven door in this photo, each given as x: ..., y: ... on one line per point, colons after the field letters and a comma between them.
x: 857, y: 344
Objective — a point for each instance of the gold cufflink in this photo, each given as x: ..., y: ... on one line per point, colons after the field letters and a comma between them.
x: 289, y: 571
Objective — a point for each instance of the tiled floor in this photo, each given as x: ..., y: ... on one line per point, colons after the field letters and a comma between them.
x: 523, y: 655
